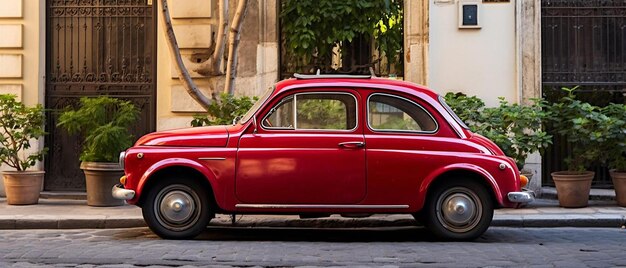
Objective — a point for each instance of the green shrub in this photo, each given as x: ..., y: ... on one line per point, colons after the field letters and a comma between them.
x: 19, y: 125
x: 104, y: 122
x: 467, y: 108
x: 516, y: 129
x: 614, y: 144
x: 583, y: 125
x: 223, y: 112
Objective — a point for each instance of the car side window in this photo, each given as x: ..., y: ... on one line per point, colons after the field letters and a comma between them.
x: 314, y: 111
x: 281, y: 116
x: 394, y: 113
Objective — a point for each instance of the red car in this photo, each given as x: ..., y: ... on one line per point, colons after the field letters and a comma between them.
x: 325, y: 144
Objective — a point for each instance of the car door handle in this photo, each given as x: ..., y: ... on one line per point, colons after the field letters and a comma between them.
x: 352, y: 144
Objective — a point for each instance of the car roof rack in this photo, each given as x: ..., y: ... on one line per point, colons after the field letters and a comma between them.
x: 317, y: 75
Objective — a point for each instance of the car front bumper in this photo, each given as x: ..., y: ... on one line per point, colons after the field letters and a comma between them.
x: 119, y: 192
x: 521, y: 197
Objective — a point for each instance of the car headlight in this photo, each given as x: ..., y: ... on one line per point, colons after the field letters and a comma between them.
x: 122, y: 156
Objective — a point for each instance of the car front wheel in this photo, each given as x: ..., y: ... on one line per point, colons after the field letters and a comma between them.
x: 177, y: 209
x: 459, y: 210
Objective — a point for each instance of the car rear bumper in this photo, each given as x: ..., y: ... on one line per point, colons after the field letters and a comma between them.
x: 521, y: 197
x: 119, y: 192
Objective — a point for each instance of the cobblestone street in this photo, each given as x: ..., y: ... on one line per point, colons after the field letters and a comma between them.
x: 289, y: 247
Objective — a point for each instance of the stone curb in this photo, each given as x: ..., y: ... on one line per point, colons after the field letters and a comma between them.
x: 70, y: 223
x: 551, y: 220
x: 536, y: 220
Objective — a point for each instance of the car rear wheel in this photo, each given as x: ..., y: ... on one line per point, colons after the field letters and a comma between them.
x: 177, y: 209
x: 458, y: 210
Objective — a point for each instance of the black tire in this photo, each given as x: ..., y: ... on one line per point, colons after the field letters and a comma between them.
x: 468, y: 214
x: 177, y: 208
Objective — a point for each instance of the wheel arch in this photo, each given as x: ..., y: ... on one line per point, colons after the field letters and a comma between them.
x: 185, y: 168
x: 472, y: 172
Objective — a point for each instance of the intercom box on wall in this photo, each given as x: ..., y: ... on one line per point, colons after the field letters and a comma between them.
x: 469, y: 14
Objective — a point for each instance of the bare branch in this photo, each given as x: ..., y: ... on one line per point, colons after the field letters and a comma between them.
x: 233, y: 44
x: 212, y: 66
x: 183, y: 74
x: 218, y: 53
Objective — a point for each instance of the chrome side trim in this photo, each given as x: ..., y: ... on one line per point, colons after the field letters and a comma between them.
x: 322, y: 206
x: 212, y: 158
x: 121, y: 158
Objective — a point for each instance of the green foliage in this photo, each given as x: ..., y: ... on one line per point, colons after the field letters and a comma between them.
x: 321, y: 113
x: 614, y: 128
x: 19, y: 125
x: 223, y: 112
x: 582, y: 124
x: 596, y: 134
x: 399, y: 123
x: 516, y: 129
x: 313, y: 27
x: 104, y: 122
x: 468, y: 108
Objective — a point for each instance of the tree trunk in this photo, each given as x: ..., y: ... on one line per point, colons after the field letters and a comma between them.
x: 183, y: 74
x: 233, y: 44
x: 213, y: 66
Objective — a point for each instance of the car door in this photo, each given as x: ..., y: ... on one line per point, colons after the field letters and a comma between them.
x: 404, y: 143
x: 309, y: 149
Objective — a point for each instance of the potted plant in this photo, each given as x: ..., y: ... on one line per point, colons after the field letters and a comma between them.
x: 614, y: 147
x: 19, y: 126
x: 104, y: 123
x: 580, y: 124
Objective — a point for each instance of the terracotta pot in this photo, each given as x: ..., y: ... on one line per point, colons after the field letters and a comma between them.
x: 619, y: 183
x: 23, y: 187
x: 573, y: 187
x: 99, y: 179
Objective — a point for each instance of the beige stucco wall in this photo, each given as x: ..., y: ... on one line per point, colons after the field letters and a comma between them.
x: 21, y: 50
x: 479, y: 62
x: 257, y: 60
x: 26, y: 79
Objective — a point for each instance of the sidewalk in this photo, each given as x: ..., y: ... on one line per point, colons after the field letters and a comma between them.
x: 75, y: 214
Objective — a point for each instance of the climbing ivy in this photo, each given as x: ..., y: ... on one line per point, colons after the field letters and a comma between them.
x: 312, y: 28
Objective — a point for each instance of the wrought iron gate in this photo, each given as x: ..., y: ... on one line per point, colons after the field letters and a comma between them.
x: 95, y: 47
x: 583, y: 43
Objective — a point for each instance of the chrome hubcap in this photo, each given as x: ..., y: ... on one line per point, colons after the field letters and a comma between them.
x: 177, y: 206
x: 459, y: 209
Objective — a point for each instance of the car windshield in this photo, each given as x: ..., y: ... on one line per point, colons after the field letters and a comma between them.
x: 451, y: 112
x: 256, y: 105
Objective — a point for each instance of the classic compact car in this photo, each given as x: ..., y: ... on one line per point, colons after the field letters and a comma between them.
x: 317, y: 145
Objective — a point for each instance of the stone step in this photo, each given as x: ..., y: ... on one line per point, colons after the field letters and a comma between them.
x: 595, y: 194
x: 63, y: 195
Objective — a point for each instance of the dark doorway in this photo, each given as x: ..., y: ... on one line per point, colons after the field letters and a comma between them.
x: 363, y: 54
x: 95, y: 47
x: 583, y: 43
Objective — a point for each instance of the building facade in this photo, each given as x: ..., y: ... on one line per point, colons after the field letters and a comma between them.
x: 54, y: 52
